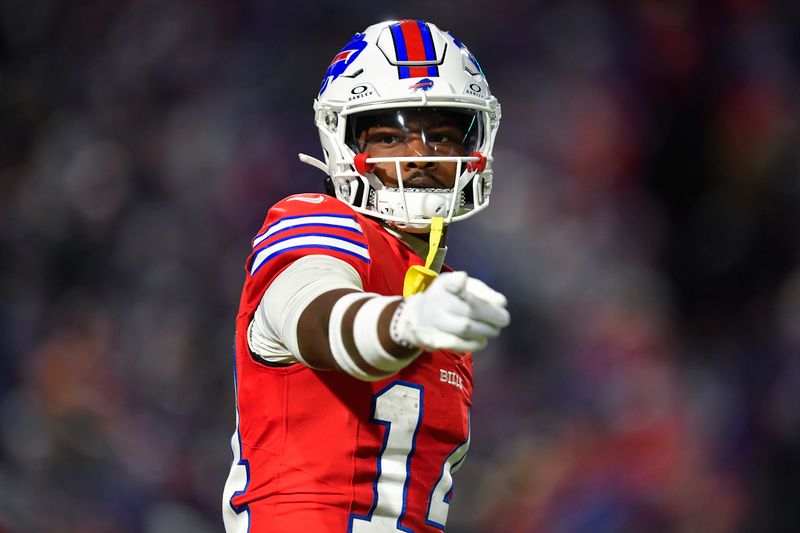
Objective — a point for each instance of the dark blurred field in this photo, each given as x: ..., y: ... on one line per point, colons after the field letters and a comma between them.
x: 645, y: 224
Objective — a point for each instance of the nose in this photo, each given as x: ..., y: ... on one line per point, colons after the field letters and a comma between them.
x: 416, y: 146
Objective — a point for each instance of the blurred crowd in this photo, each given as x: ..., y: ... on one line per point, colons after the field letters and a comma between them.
x: 645, y: 224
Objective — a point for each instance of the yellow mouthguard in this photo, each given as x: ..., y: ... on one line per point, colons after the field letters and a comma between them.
x: 418, y: 278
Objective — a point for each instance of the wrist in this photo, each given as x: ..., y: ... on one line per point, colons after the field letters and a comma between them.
x: 372, y: 331
x: 396, y: 327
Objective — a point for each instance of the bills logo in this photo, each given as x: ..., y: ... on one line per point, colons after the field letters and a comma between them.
x: 342, y: 56
x: 423, y: 84
x: 343, y: 59
x: 469, y: 54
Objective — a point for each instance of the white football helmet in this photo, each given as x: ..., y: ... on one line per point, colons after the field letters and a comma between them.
x: 407, y: 66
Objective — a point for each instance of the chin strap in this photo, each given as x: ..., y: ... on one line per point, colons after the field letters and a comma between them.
x: 419, y: 277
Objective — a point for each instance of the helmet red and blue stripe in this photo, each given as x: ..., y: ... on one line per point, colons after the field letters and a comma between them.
x: 413, y: 43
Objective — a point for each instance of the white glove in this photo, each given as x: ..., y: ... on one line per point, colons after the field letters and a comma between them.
x: 455, y: 313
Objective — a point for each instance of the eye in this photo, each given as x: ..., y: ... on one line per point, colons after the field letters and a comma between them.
x: 444, y: 134
x: 383, y: 137
x: 389, y: 140
x: 439, y: 138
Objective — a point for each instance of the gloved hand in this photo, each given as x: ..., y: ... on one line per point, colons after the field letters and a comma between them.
x: 455, y: 313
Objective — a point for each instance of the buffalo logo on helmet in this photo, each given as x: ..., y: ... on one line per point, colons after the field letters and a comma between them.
x: 423, y: 84
x: 343, y: 59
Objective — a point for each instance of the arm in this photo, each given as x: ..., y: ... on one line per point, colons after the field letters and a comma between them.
x: 350, y: 331
x: 315, y: 312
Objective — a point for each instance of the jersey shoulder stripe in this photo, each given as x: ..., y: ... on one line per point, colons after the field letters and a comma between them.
x: 309, y: 240
x: 306, y: 224
x: 325, y: 220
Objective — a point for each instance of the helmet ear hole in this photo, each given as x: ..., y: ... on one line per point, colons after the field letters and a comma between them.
x: 330, y: 190
x: 359, y: 196
x: 469, y: 192
x: 476, y: 192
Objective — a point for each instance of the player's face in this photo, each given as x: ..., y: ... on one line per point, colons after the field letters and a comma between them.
x: 416, y: 133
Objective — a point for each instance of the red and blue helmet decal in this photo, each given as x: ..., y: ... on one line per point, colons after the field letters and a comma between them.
x: 469, y: 54
x: 343, y: 59
x: 413, y: 42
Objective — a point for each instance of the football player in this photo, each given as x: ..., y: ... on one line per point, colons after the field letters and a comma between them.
x: 353, y: 340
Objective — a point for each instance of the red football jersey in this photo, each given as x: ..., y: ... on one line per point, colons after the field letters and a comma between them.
x: 321, y: 451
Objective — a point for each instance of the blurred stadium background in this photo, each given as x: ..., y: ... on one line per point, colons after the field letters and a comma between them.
x: 645, y: 224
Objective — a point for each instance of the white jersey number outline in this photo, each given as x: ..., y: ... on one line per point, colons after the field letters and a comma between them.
x: 399, y: 407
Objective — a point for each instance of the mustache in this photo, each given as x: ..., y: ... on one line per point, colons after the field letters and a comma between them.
x: 425, y: 175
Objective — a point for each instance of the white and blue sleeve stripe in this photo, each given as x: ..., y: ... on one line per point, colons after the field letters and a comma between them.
x: 345, y: 222
x: 310, y: 240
